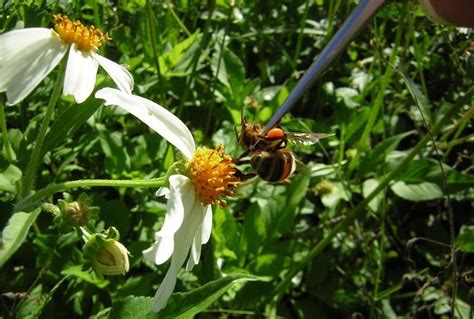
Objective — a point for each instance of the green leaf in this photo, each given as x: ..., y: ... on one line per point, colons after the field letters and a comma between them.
x: 117, y: 160
x: 180, y: 305
x: 15, y: 233
x: 367, y: 188
x: 420, y: 99
x: 284, y: 219
x: 417, y: 192
x: 230, y: 69
x: 178, y: 57
x: 188, y: 304
x: 9, y: 179
x: 427, y: 170
x: 381, y: 151
x: 88, y: 276
x: 465, y: 240
x: 68, y: 122
x: 132, y: 307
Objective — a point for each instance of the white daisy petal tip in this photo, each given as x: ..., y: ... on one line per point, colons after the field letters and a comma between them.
x: 162, y: 192
x: 159, y: 119
x: 118, y: 73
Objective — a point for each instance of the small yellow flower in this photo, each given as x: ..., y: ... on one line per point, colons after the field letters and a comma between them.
x: 29, y: 55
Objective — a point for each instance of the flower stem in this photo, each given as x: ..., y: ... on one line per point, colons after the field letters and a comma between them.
x: 6, y: 140
x: 31, y: 170
x: 50, y: 190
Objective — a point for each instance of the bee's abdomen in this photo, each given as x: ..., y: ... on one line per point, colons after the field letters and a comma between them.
x: 273, y: 167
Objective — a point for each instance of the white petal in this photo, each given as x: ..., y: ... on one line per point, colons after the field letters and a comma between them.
x: 163, y: 191
x: 195, y: 251
x: 155, y: 116
x: 201, y: 237
x: 160, y: 251
x: 27, y: 56
x: 118, y: 73
x: 206, y: 225
x: 81, y: 71
x: 181, y: 199
x: 183, y: 240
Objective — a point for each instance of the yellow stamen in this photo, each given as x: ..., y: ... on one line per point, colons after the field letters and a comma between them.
x: 70, y: 32
x: 212, y: 174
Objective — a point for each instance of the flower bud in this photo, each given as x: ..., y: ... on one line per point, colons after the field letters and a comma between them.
x: 112, y: 259
x: 106, y: 254
x: 76, y: 214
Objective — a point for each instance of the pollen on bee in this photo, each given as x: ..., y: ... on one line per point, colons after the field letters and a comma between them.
x: 213, y: 175
x: 86, y: 39
x: 275, y: 133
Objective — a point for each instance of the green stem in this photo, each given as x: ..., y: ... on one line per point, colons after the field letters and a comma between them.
x: 299, y: 40
x: 28, y: 180
x: 50, y: 190
x: 156, y: 58
x: 279, y: 290
x: 363, y: 142
x: 3, y: 123
x: 176, y: 18
x: 206, y: 35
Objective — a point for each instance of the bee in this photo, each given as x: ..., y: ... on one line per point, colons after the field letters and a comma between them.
x: 274, y: 166
x: 269, y: 158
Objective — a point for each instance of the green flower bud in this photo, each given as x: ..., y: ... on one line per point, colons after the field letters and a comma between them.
x: 76, y: 213
x: 324, y: 187
x: 106, y: 254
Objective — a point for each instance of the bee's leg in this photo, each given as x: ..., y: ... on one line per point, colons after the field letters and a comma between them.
x: 236, y: 134
x: 244, y: 154
x: 242, y: 176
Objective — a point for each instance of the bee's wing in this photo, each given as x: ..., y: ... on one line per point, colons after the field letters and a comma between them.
x: 306, y: 138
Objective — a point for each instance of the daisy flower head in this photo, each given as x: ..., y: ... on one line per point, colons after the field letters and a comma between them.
x: 29, y: 55
x: 207, y: 175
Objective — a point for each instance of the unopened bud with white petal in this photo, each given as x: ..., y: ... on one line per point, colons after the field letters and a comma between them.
x: 106, y: 254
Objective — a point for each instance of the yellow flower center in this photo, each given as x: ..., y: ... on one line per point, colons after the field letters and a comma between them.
x: 212, y: 174
x: 70, y: 32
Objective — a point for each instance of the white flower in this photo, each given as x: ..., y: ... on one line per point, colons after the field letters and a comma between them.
x: 28, y: 55
x: 188, y: 221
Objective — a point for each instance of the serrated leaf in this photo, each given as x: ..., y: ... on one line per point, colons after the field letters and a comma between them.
x: 132, y: 307
x: 15, y: 233
x: 188, y: 304
x: 417, y: 192
x: 180, y: 305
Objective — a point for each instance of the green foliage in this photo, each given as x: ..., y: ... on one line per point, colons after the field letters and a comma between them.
x: 358, y: 231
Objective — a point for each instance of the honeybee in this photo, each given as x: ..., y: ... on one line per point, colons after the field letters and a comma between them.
x: 252, y: 138
x: 269, y: 158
